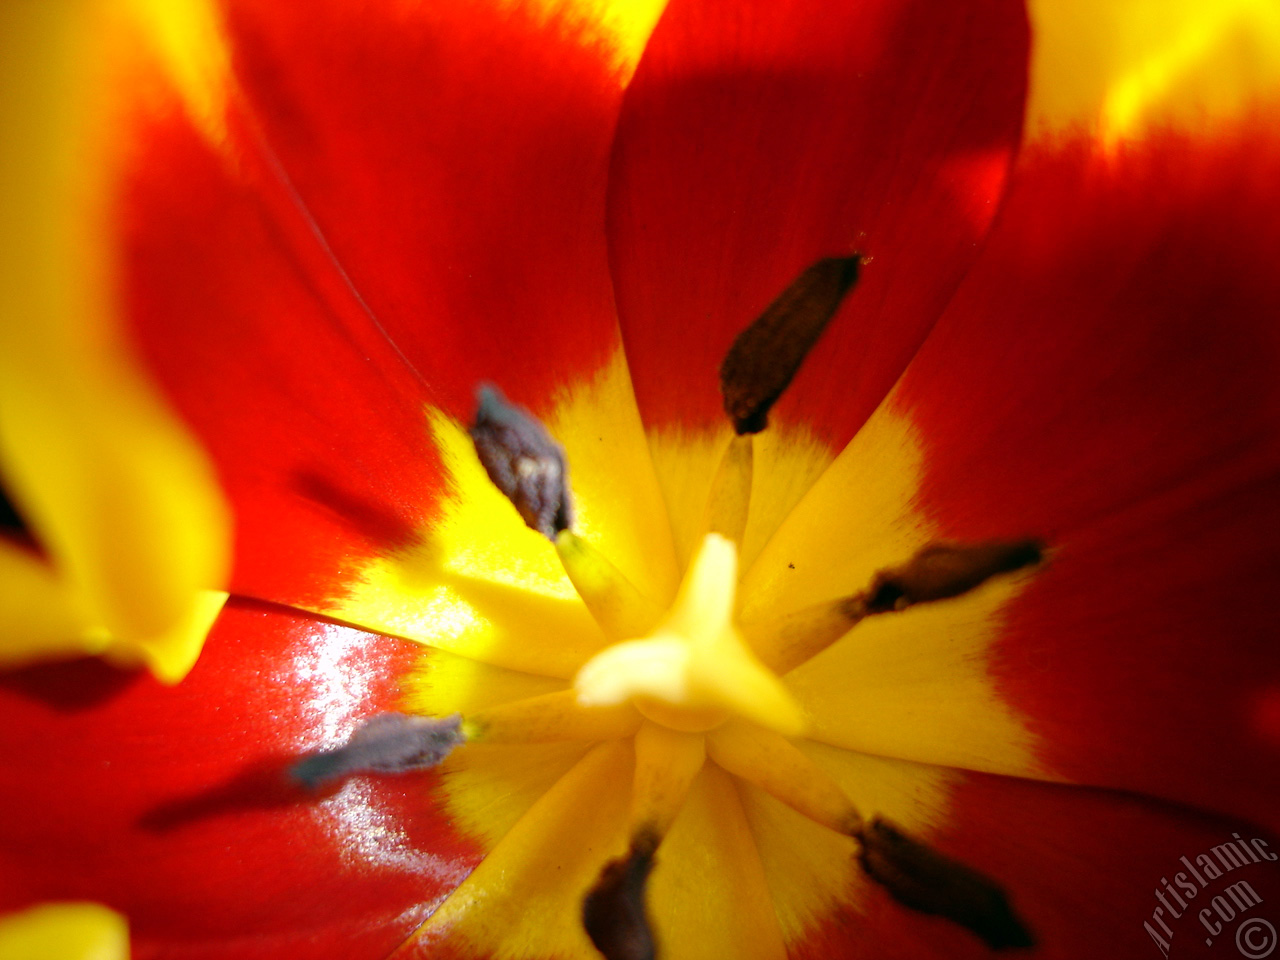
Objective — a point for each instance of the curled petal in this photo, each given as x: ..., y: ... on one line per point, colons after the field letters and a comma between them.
x: 120, y: 497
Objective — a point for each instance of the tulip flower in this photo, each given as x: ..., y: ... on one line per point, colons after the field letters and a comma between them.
x: 863, y: 547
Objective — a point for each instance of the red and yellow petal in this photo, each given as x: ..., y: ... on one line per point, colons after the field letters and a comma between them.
x: 1119, y: 71
x: 1081, y: 866
x: 120, y: 499
x: 316, y: 425
x: 756, y: 139
x: 1105, y: 381
x: 315, y: 221
x: 396, y: 213
x: 173, y: 805
x: 453, y: 158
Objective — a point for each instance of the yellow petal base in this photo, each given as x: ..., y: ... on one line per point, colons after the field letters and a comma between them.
x: 64, y: 931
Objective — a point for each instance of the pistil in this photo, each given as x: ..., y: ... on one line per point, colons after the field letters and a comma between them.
x: 694, y: 670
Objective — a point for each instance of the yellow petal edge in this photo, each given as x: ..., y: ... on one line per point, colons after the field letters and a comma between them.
x: 1119, y: 69
x: 118, y: 494
x: 64, y: 931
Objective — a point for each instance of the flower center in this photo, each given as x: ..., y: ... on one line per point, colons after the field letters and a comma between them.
x: 693, y: 671
x: 679, y: 703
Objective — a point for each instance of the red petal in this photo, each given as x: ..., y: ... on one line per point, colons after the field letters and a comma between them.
x: 1080, y: 866
x: 1144, y: 656
x: 1106, y: 379
x: 170, y: 804
x: 316, y: 426
x: 454, y: 158
x: 435, y: 177
x: 757, y: 139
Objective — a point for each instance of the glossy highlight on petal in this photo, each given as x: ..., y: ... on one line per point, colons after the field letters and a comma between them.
x: 180, y: 812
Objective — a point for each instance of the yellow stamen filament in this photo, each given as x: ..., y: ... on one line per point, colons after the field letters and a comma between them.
x: 777, y: 767
x: 551, y: 718
x: 513, y: 895
x: 730, y: 496
x: 694, y: 670
x: 666, y: 762
x: 619, y: 608
x: 785, y: 643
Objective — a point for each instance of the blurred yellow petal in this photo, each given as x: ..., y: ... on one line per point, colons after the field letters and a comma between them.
x: 39, y: 616
x: 1120, y: 69
x: 171, y: 654
x: 64, y: 931
x: 42, y: 618
x: 186, y: 37
x: 115, y: 490
x: 620, y: 26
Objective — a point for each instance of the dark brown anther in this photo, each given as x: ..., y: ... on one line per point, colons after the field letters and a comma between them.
x: 10, y: 520
x: 524, y: 462
x: 922, y: 879
x: 943, y: 570
x: 386, y: 743
x: 766, y: 355
x: 12, y: 527
x: 613, y: 912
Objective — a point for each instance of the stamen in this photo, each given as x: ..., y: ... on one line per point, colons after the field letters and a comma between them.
x: 386, y: 743
x: 943, y: 570
x: 922, y: 879
x: 937, y: 572
x: 523, y: 462
x: 778, y: 768
x: 785, y: 643
x: 619, y: 608
x: 613, y: 912
x: 766, y: 355
x: 550, y: 718
x: 666, y: 762
x: 730, y: 496
x: 11, y: 522
x: 13, y: 527
x: 693, y: 670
